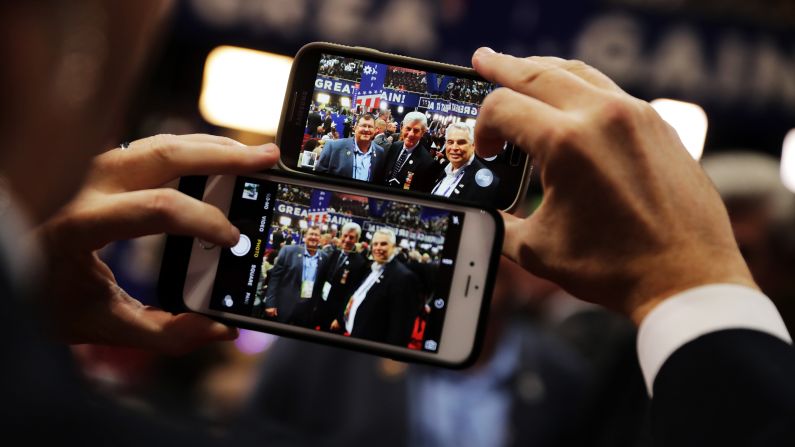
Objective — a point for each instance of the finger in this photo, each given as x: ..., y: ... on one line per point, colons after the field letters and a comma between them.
x: 146, y: 327
x: 523, y: 241
x: 178, y: 334
x: 582, y: 70
x: 154, y: 211
x: 154, y: 161
x: 546, y: 82
x: 196, y: 137
x: 522, y: 120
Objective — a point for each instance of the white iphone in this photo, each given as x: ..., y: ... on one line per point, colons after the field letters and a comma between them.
x: 394, y: 274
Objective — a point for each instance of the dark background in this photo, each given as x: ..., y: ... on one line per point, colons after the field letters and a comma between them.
x: 736, y: 59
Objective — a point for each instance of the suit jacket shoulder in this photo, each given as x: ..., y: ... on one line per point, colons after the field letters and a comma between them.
x: 333, y: 157
x: 480, y: 190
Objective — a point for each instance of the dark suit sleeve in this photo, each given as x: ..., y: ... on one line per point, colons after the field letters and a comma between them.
x: 324, y: 162
x: 727, y: 388
x: 379, y: 167
x: 322, y: 274
x: 426, y: 174
x: 403, y: 306
x: 276, y: 274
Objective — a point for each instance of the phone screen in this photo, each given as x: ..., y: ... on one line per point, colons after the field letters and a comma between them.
x: 357, y: 266
x: 403, y: 128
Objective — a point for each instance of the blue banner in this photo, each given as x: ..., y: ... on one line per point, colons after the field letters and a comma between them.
x: 371, y: 86
x: 437, y: 84
x: 448, y: 107
x: 377, y: 207
x: 406, y: 99
x: 373, y: 75
x: 319, y: 201
x: 332, y: 85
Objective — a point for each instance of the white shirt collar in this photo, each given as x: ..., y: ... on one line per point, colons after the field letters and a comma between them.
x: 449, y: 168
x: 409, y: 149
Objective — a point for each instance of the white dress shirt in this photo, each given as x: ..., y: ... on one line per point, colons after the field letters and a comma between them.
x: 361, y: 293
x: 451, y: 179
x: 698, y: 311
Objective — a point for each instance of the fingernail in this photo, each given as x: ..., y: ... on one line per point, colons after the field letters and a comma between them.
x: 235, y: 237
x: 268, y: 148
x: 227, y: 332
x: 484, y: 50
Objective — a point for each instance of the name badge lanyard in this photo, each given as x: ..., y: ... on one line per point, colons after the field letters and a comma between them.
x: 454, y: 183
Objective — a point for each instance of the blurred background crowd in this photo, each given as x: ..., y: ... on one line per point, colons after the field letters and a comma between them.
x: 720, y: 72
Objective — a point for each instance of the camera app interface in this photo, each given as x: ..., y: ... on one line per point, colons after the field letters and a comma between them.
x: 351, y: 265
x: 403, y: 128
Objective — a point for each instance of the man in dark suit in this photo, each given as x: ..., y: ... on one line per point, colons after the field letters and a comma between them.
x: 357, y: 157
x: 279, y: 237
x: 386, y: 302
x: 409, y: 164
x: 327, y: 121
x: 313, y: 122
x: 340, y: 276
x: 292, y: 280
x: 465, y: 177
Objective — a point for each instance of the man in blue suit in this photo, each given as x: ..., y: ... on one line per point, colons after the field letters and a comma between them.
x: 357, y: 157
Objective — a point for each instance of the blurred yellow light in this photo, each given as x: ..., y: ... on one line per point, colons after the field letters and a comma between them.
x: 244, y: 89
x: 345, y: 102
x: 688, y: 119
x: 323, y: 98
x: 788, y: 161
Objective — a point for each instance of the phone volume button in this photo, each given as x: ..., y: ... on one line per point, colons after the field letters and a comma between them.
x: 291, y: 113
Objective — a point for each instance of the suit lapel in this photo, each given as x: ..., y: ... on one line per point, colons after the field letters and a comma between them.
x: 349, y: 150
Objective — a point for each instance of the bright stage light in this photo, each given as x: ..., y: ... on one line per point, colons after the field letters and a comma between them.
x: 689, y: 121
x: 788, y: 161
x: 244, y: 89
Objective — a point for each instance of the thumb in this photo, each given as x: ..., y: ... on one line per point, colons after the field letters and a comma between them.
x: 522, y: 241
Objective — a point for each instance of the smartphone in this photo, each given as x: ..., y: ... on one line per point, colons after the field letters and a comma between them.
x: 394, y: 122
x: 370, y: 270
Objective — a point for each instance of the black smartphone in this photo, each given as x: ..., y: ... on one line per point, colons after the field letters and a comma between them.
x: 342, y: 264
x: 394, y: 122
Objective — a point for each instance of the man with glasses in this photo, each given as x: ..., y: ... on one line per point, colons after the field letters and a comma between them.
x: 357, y: 157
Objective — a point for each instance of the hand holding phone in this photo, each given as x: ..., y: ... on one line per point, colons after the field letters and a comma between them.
x: 625, y: 216
x: 123, y: 198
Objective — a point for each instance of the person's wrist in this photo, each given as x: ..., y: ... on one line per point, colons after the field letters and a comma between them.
x: 679, y: 272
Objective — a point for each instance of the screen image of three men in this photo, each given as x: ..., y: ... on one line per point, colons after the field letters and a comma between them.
x: 365, y: 289
x: 408, y: 164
